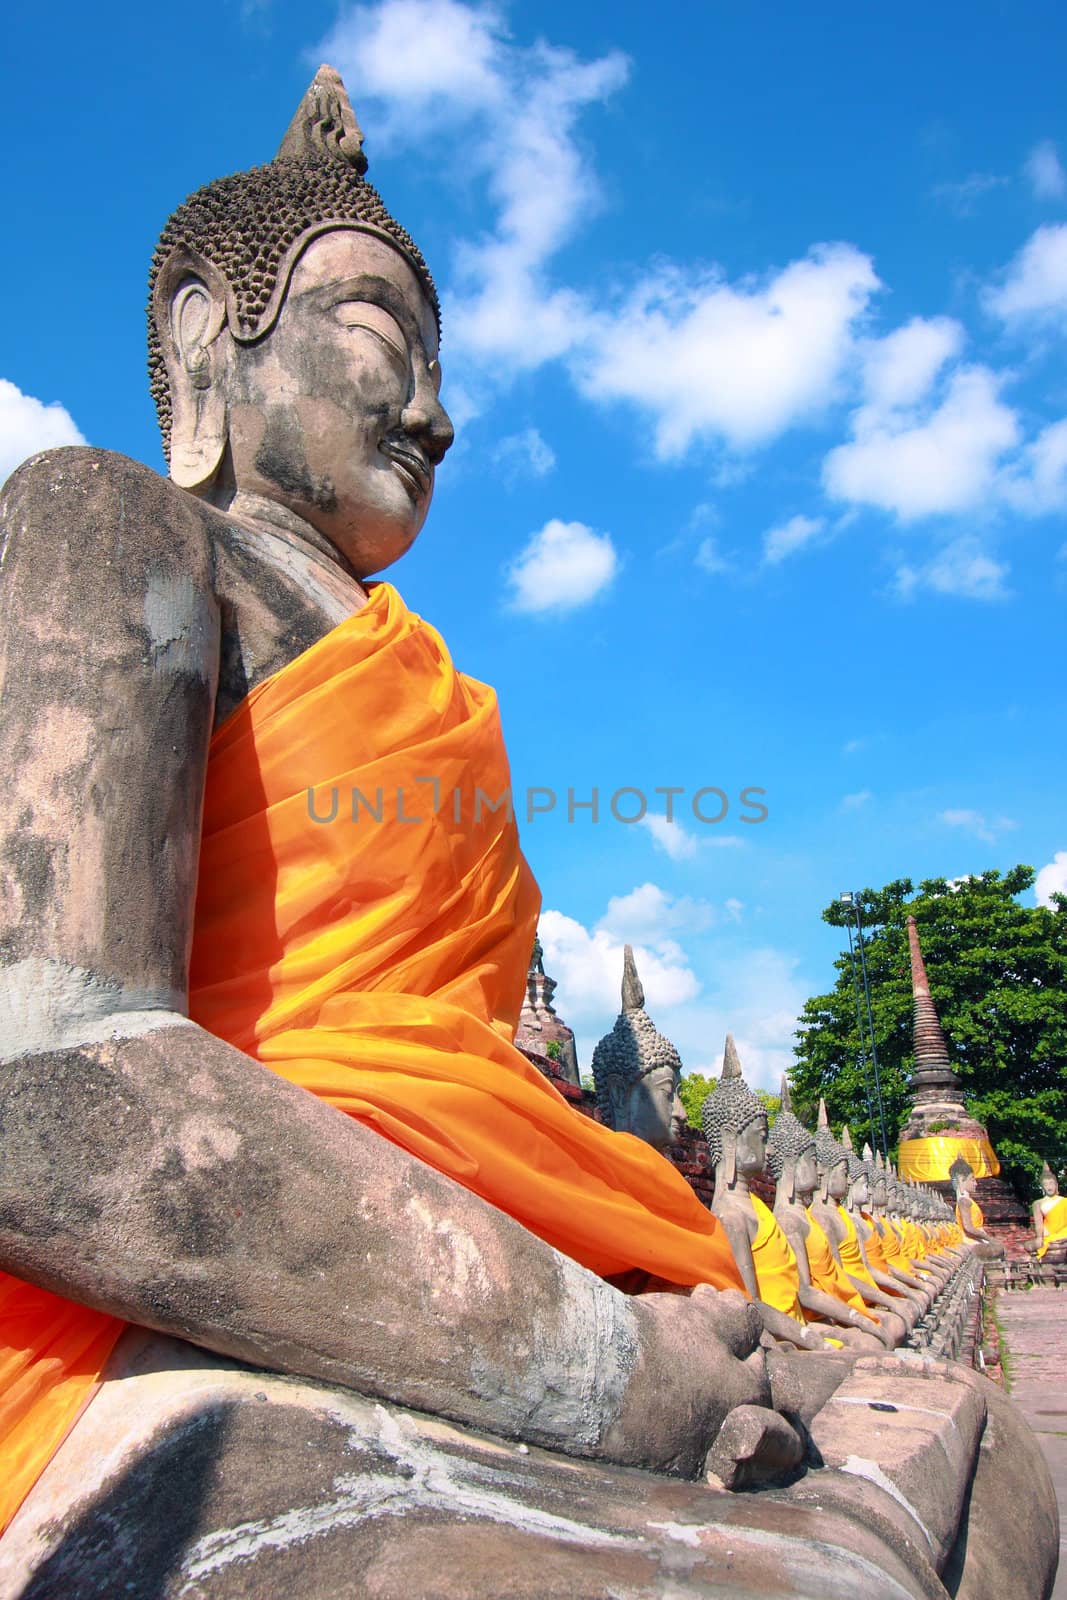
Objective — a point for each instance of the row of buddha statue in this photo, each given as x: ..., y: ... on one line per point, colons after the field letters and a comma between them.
x: 637, y: 1072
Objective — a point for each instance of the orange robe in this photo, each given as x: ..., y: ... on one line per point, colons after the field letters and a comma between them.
x: 825, y: 1272
x: 976, y: 1219
x: 381, y: 965
x: 775, y: 1263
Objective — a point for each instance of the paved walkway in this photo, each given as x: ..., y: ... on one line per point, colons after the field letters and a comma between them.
x: 1034, y: 1324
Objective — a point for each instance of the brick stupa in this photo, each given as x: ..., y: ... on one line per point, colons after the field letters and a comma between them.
x: 539, y: 1026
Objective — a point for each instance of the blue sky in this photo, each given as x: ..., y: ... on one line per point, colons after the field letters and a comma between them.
x: 755, y: 327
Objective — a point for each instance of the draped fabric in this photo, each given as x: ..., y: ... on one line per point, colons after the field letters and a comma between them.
x: 378, y: 959
x: 51, y: 1355
x: 775, y: 1263
x: 1055, y: 1224
x: 826, y: 1274
x: 976, y: 1218
x: 929, y: 1160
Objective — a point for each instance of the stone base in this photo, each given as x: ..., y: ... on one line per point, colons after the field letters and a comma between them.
x: 193, y: 1478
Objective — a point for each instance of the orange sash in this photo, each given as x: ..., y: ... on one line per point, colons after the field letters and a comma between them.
x: 1054, y: 1224
x: 381, y: 965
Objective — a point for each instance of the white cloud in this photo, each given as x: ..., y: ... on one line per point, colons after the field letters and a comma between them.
x: 974, y: 822
x: 588, y: 968
x: 708, y: 360
x: 855, y: 802
x: 852, y: 747
x: 962, y: 568
x: 734, y: 909
x: 670, y: 837
x: 921, y: 462
x: 426, y: 64
x: 429, y: 61
x: 962, y: 198
x: 1052, y: 879
x: 563, y: 566
x: 709, y: 558
x: 525, y: 454
x: 1036, y: 483
x: 1035, y: 282
x: 789, y: 537
x: 649, y: 914
x: 899, y: 369
x: 28, y: 425
x: 1044, y: 172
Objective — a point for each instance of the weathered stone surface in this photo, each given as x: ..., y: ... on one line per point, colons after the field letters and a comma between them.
x: 914, y: 1434
x: 209, y: 1481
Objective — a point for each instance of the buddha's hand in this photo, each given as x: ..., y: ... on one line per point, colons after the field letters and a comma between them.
x: 698, y: 1356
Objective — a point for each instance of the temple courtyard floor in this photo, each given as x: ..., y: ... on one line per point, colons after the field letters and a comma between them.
x: 1033, y: 1326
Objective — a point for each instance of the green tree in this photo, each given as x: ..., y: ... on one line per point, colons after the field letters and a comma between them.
x: 998, y: 976
x: 694, y: 1089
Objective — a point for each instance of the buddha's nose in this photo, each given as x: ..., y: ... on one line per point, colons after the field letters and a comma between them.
x: 426, y: 421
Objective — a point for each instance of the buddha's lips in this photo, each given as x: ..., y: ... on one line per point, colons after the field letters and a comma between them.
x: 413, y: 468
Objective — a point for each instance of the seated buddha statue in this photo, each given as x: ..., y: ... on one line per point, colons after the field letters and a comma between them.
x: 260, y: 1090
x: 1050, y: 1220
x: 637, y: 1071
x: 889, y: 1247
x: 824, y: 1292
x: 827, y: 1209
x: 969, y: 1214
x: 735, y: 1126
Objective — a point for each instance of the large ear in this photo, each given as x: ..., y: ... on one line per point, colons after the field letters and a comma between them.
x: 729, y: 1156
x: 190, y: 304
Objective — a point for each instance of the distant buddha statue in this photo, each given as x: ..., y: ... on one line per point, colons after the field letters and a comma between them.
x: 1050, y: 1220
x: 888, y: 1247
x: 637, y: 1071
x: 824, y: 1292
x: 969, y: 1214
x: 262, y: 1091
x: 735, y: 1125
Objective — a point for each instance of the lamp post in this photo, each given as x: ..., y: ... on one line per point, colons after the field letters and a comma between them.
x: 851, y: 904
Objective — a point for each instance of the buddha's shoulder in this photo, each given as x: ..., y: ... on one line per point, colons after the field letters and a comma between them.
x: 100, y: 499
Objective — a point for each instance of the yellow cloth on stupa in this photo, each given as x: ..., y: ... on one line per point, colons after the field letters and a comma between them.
x: 826, y: 1274
x: 775, y: 1263
x: 1054, y: 1224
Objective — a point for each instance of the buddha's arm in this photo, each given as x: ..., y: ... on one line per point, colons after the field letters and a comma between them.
x: 1039, y: 1223
x: 883, y: 1279
x: 152, y: 1171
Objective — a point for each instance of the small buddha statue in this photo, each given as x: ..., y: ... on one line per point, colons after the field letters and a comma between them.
x: 1050, y: 1220
x: 637, y: 1071
x: 824, y: 1292
x: 834, y: 1164
x: 735, y: 1125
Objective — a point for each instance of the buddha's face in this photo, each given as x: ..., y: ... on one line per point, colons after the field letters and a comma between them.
x: 654, y: 1111
x: 806, y: 1174
x: 335, y: 412
x: 837, y: 1186
x: 861, y: 1190
x: 1050, y: 1184
x: 878, y: 1193
x: 751, y: 1148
